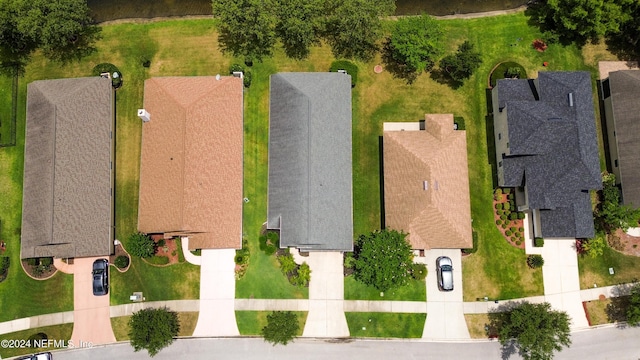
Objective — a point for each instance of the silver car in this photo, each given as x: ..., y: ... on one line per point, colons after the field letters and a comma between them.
x: 444, y: 269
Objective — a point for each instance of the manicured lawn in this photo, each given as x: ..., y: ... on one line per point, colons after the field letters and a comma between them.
x: 60, y: 333
x: 386, y: 325
x: 355, y: 290
x: 252, y: 322
x: 188, y: 321
x: 476, y: 324
x: 597, y: 310
x: 596, y: 270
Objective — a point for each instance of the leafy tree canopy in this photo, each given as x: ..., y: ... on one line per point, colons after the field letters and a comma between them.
x: 353, y: 27
x: 633, y: 309
x: 281, y: 327
x: 463, y: 63
x: 610, y: 215
x: 535, y: 329
x: 578, y: 20
x: 416, y: 42
x: 246, y: 27
x: 153, y: 329
x: 383, y: 259
x: 62, y: 29
x: 298, y: 26
x: 141, y: 245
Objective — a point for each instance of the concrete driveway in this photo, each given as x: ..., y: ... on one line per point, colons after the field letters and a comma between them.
x: 561, y: 279
x: 217, y: 315
x: 445, y: 316
x: 91, y: 314
x: 326, y: 296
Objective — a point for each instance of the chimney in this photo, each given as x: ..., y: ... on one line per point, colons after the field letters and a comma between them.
x: 144, y: 115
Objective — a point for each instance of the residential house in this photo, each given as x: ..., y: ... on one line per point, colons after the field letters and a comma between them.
x: 546, y: 148
x: 191, y: 160
x: 68, y: 197
x: 426, y: 183
x: 621, y: 93
x: 310, y: 177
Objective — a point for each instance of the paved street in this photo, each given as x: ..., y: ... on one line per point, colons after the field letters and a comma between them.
x: 605, y: 343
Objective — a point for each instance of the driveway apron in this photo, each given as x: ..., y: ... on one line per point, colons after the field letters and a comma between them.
x: 445, y: 315
x: 326, y: 296
x: 217, y: 294
x: 91, y: 314
x: 561, y: 279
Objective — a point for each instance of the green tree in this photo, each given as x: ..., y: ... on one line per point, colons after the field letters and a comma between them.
x: 383, y: 259
x: 578, y: 20
x: 416, y: 42
x: 535, y: 329
x: 246, y: 27
x: 461, y: 65
x: 633, y: 309
x: 298, y: 26
x: 353, y: 27
x: 153, y: 329
x: 141, y: 245
x: 281, y: 327
x: 595, y: 247
x: 62, y: 29
x: 627, y: 40
x: 610, y: 215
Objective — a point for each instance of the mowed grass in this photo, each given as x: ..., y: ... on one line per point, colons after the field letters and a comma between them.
x: 59, y: 334
x: 188, y: 321
x: 386, y: 325
x: 596, y: 270
x: 355, y: 290
x: 597, y: 311
x: 252, y: 322
x: 476, y: 324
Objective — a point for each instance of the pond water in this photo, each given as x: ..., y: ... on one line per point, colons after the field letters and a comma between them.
x: 105, y: 10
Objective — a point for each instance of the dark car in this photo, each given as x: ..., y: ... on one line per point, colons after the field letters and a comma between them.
x: 100, y: 277
x: 39, y: 356
x: 444, y: 269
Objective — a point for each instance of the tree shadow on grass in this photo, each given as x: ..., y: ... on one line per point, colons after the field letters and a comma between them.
x: 441, y: 77
x: 617, y: 309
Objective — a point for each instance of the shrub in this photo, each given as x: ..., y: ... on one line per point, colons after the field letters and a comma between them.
x: 500, y: 212
x: 161, y: 242
x: 419, y: 271
x: 246, y: 80
x: 498, y: 191
x: 5, y: 262
x: 538, y: 242
x: 518, y: 242
x: 281, y: 327
x: 510, y: 196
x: 512, y: 72
x: 269, y: 242
x: 507, y: 206
x: 512, y: 205
x: 513, y: 216
x: 287, y: 265
x: 535, y: 261
x: 499, y: 222
x: 507, y: 190
x: 153, y: 329
x: 141, y: 245
x: 46, y: 261
x: 459, y: 122
x: 116, y: 82
x: 474, y: 239
x: 303, y: 277
x: 521, y: 229
x: 121, y: 262
x: 239, y: 259
x: 32, y: 261
x: 349, y: 260
x: 507, y: 233
x: 235, y: 67
x: 499, y: 206
x: 521, y: 215
x: 504, y: 225
x: 503, y: 217
x: 349, y: 67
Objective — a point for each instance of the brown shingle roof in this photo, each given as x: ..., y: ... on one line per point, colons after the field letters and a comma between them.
x: 191, y: 166
x: 67, y: 198
x: 440, y: 216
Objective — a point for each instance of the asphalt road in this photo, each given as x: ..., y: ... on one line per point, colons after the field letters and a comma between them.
x: 605, y: 343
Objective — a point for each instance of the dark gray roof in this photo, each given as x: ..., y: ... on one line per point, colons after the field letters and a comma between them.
x: 553, y: 149
x: 67, y: 199
x: 625, y: 99
x: 310, y: 181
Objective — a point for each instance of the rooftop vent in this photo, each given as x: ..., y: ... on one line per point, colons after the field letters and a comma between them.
x: 144, y: 115
x: 571, y: 99
x: 238, y: 74
x: 425, y: 185
x: 218, y: 77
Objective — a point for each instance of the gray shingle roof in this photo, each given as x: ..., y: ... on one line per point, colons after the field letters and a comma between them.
x: 553, y: 149
x: 67, y: 199
x: 625, y: 99
x: 310, y: 176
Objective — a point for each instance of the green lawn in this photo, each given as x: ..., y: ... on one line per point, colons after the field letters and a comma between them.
x: 188, y: 321
x: 60, y: 333
x: 596, y: 270
x: 386, y: 325
x: 355, y: 290
x: 252, y: 322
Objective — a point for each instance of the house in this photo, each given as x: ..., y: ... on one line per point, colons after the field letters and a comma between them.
x: 310, y: 176
x: 68, y: 197
x: 426, y: 183
x: 191, y: 160
x: 621, y: 93
x: 546, y: 148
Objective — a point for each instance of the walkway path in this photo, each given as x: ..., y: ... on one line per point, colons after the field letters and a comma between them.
x: 188, y: 255
x: 217, y: 294
x: 474, y: 307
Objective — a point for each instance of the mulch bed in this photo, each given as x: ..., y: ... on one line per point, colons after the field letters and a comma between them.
x: 510, y: 223
x: 31, y: 270
x: 169, y: 249
x: 629, y: 245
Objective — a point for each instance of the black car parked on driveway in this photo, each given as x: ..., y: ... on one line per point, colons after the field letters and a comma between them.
x: 100, y: 277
